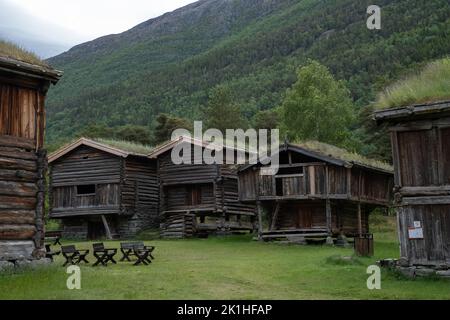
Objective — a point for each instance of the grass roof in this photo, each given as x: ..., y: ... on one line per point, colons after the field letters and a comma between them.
x: 127, y: 146
x: 342, y: 154
x: 432, y: 83
x: 13, y: 51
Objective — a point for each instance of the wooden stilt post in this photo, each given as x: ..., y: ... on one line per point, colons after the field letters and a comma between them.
x: 328, y: 214
x: 359, y: 219
x: 328, y: 217
x: 260, y: 225
x: 108, y: 231
x: 328, y: 208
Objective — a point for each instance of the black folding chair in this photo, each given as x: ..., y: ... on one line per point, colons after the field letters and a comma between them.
x: 142, y: 256
x: 49, y: 253
x: 142, y: 252
x: 73, y: 256
x: 127, y: 249
x: 103, y: 255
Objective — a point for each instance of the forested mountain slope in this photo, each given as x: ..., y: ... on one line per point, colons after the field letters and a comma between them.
x: 169, y: 64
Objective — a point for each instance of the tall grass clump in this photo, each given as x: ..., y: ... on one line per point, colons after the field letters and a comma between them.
x: 432, y: 83
x: 11, y: 50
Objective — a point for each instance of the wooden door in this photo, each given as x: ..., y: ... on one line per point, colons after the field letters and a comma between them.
x: 96, y: 230
x: 304, y: 218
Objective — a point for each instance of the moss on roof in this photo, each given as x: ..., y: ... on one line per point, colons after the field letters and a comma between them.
x: 432, y: 83
x: 13, y: 51
x: 342, y: 154
x: 127, y: 146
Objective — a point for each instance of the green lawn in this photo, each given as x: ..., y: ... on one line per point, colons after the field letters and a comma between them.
x: 228, y: 268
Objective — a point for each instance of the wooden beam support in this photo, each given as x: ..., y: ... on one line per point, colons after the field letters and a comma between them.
x: 328, y: 215
x: 108, y: 231
x: 260, y: 225
x: 359, y: 219
x: 275, y: 216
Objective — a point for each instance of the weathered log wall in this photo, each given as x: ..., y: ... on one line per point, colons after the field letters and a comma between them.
x: 421, y: 153
x: 201, y: 189
x: 22, y: 171
x: 86, y: 165
x: 21, y: 175
x: 125, y: 187
x: 140, y: 197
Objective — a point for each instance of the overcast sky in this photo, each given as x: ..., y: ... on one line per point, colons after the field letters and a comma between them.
x: 72, y: 22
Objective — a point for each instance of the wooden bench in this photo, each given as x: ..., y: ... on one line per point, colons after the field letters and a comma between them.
x: 53, y: 236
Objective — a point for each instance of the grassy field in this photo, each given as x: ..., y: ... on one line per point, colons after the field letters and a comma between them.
x: 229, y: 268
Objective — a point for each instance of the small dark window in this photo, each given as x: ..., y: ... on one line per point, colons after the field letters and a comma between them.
x: 86, y: 189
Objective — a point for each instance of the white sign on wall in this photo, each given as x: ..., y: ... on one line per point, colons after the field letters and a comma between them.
x: 415, y: 233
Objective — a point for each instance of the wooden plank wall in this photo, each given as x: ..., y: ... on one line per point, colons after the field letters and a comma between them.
x: 416, y: 151
x: 66, y: 197
x: 434, y: 248
x: 421, y: 152
x: 18, y: 114
x: 311, y: 215
x: 358, y: 185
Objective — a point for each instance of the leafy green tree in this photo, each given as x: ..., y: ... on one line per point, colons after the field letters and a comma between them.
x: 96, y: 131
x: 134, y: 133
x: 166, y: 124
x: 222, y: 112
x: 266, y: 119
x: 318, y: 107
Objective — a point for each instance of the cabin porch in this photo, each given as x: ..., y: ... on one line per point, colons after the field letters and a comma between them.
x: 313, y: 219
x: 201, y: 221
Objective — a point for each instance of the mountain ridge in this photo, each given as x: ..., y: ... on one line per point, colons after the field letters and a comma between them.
x: 253, y: 46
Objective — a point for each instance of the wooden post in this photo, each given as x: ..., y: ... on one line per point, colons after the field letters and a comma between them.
x: 275, y: 216
x: 359, y: 219
x: 328, y: 215
x: 108, y: 231
x: 40, y: 202
x: 260, y: 226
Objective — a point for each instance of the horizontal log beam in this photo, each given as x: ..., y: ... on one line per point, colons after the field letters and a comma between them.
x: 17, y: 232
x: 10, y: 141
x: 17, y: 217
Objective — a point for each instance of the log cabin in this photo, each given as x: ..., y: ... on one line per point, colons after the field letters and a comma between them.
x: 199, y: 199
x: 420, y: 138
x: 319, y: 191
x: 103, y: 189
x: 24, y: 82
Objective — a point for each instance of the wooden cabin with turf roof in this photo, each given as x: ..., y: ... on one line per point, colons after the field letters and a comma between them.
x: 199, y: 199
x: 416, y: 111
x: 24, y: 82
x: 420, y: 137
x: 103, y: 188
x: 319, y: 192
